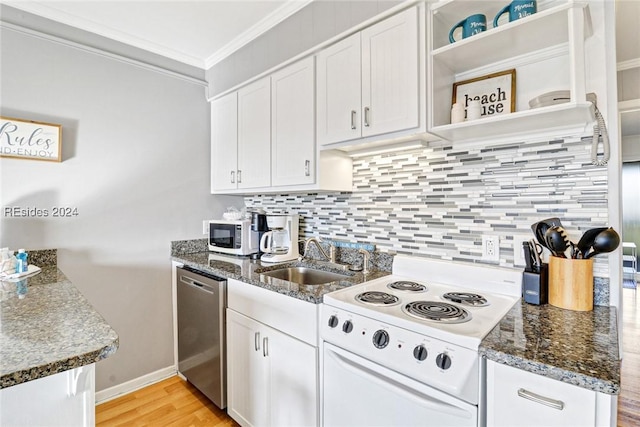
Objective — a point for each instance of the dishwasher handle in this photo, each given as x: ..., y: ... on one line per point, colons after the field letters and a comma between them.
x: 192, y: 282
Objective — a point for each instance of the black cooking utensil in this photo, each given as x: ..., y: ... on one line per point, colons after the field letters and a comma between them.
x: 540, y: 228
x: 586, y: 241
x: 606, y: 241
x: 557, y: 241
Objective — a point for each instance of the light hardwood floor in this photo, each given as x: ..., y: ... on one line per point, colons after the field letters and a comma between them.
x: 172, y: 402
x: 175, y: 402
x: 629, y: 398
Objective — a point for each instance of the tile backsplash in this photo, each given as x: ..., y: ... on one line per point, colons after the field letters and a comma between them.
x: 438, y: 201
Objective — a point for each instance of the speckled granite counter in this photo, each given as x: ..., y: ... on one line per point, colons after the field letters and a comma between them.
x: 51, y: 330
x: 575, y: 347
x: 247, y: 270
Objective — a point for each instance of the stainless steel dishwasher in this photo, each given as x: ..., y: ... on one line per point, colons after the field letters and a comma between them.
x: 202, y: 300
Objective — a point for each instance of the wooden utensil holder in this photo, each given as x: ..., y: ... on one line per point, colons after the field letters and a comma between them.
x: 571, y: 283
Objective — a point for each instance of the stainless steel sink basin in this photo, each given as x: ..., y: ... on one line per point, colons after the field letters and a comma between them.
x: 305, y: 275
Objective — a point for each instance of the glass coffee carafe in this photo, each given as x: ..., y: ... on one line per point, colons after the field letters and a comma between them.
x: 280, y: 243
x: 275, y: 241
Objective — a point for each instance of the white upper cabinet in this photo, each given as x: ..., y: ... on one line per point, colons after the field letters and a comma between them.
x: 254, y: 135
x: 224, y: 142
x: 368, y: 84
x: 339, y: 93
x: 390, y: 74
x: 293, y: 148
x: 546, y: 49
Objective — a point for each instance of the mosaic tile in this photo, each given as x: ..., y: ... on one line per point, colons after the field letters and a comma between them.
x: 438, y: 201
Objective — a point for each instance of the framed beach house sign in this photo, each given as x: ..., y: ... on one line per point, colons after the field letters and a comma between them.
x: 496, y: 93
x: 27, y: 139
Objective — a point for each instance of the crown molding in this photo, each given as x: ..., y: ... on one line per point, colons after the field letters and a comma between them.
x: 261, y: 27
x: 627, y: 65
x: 101, y: 52
x: 43, y: 10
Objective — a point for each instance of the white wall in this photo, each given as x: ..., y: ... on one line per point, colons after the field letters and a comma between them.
x: 135, y: 165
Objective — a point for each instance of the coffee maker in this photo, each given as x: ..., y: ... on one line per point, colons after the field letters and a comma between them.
x: 259, y: 226
x: 280, y: 243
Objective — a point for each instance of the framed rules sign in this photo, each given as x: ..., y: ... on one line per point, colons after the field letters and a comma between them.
x: 27, y: 139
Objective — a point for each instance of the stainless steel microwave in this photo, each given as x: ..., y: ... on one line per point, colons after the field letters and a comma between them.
x: 232, y: 237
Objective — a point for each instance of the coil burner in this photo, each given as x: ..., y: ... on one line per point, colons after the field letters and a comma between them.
x: 405, y: 285
x: 437, y: 311
x: 466, y: 298
x: 378, y: 298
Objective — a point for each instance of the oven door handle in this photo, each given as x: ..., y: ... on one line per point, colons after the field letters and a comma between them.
x: 411, y: 393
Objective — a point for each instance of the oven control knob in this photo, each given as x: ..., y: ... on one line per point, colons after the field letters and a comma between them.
x: 443, y: 361
x: 419, y: 352
x: 347, y: 326
x: 333, y: 321
x: 380, y: 338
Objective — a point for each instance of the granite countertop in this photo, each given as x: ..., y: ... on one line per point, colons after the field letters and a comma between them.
x: 248, y: 271
x: 52, y: 329
x: 576, y: 347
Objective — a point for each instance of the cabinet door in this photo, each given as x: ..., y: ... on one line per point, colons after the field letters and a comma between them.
x: 63, y: 399
x: 338, y: 91
x: 292, y: 125
x: 294, y: 385
x: 519, y: 398
x: 247, y: 373
x: 224, y: 142
x: 390, y: 74
x: 254, y: 135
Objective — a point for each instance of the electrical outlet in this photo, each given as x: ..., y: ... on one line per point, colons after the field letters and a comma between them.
x: 518, y: 252
x: 491, y: 248
x: 205, y: 227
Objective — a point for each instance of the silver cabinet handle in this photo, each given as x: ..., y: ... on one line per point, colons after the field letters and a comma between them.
x: 233, y: 177
x: 239, y: 176
x: 555, y: 404
x: 256, y: 341
x: 307, y: 166
x: 366, y: 116
x: 265, y: 348
x: 353, y: 119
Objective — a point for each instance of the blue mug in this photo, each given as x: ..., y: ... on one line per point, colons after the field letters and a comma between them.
x: 471, y: 25
x: 517, y: 9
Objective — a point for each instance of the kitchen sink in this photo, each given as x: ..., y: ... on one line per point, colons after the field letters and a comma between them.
x: 305, y: 275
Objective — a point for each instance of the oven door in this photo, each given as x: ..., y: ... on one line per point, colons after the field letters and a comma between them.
x: 358, y: 392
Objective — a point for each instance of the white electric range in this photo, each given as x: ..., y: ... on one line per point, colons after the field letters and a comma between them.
x: 403, y: 348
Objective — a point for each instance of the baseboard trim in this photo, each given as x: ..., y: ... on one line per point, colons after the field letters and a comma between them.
x: 111, y: 393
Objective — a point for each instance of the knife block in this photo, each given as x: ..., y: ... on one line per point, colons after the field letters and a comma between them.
x: 571, y: 283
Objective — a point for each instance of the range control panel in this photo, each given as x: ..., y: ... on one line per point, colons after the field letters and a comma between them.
x: 440, y: 364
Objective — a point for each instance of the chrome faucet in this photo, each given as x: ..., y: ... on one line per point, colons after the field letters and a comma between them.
x: 331, y: 257
x: 365, y: 260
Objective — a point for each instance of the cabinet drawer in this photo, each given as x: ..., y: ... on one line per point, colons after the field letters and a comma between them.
x: 519, y: 398
x: 290, y: 315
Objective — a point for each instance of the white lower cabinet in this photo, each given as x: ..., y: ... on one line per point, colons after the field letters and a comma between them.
x: 272, y: 377
x: 66, y: 399
x: 520, y: 398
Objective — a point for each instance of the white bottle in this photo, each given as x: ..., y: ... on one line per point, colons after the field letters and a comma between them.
x: 473, y: 110
x: 457, y: 113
